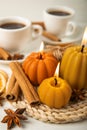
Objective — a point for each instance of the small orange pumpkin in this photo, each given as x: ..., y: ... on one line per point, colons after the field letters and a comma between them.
x: 39, y: 65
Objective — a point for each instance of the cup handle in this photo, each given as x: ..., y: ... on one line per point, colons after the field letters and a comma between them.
x: 71, y: 28
x: 36, y: 31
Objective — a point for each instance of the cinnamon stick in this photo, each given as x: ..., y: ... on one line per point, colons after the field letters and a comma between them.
x: 28, y: 90
x: 13, y: 89
x: 50, y: 36
x: 5, y: 55
x: 39, y: 23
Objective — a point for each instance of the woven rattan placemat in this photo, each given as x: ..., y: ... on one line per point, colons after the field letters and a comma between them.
x: 73, y: 112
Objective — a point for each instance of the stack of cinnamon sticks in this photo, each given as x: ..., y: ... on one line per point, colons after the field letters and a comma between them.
x: 19, y: 81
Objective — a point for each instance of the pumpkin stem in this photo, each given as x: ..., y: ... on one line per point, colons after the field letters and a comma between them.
x: 82, y: 49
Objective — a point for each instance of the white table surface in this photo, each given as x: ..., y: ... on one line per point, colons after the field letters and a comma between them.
x: 33, y: 9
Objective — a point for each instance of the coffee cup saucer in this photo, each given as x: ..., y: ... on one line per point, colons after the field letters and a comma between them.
x: 7, y: 62
x: 30, y: 47
x: 74, y: 38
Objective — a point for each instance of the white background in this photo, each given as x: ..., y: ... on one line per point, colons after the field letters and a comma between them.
x: 33, y: 9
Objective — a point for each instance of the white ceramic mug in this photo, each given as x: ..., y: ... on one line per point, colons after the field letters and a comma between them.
x: 18, y: 37
x: 59, y: 25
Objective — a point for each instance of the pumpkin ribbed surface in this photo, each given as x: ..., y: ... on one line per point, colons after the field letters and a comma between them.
x: 55, y: 96
x: 39, y: 66
x: 73, y: 67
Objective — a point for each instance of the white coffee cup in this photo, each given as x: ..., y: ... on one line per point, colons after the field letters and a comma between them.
x: 58, y: 24
x: 13, y: 37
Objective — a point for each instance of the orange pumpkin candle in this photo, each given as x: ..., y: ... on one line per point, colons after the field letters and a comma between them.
x: 39, y: 65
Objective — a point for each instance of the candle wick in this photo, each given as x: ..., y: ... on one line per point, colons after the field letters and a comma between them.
x: 40, y: 56
x: 55, y: 81
x: 82, y: 48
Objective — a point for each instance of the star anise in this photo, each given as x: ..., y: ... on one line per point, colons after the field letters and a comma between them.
x: 77, y: 95
x: 13, y: 117
x: 1, y: 98
x: 17, y: 56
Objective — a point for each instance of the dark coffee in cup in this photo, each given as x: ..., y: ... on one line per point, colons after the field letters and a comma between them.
x: 12, y: 25
x: 59, y: 13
